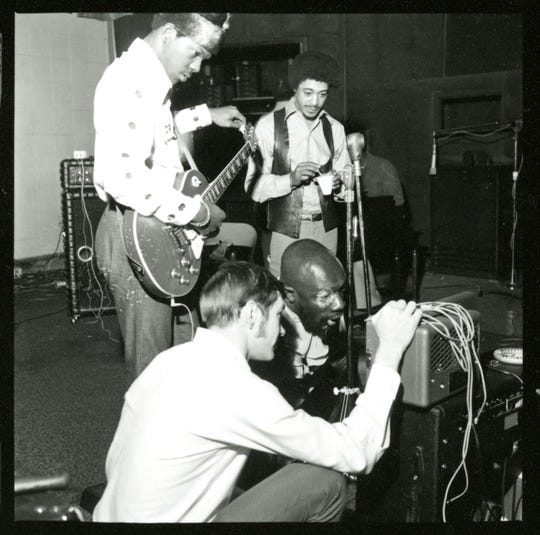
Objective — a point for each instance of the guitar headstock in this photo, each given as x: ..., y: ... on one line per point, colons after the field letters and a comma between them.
x: 248, y: 132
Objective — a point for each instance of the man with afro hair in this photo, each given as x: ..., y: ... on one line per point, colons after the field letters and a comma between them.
x: 297, y: 144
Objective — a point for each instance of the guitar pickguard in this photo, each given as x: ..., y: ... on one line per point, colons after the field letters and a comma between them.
x: 192, y: 183
x: 196, y: 241
x: 166, y: 258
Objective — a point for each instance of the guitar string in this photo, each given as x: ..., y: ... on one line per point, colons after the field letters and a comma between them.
x: 216, y: 188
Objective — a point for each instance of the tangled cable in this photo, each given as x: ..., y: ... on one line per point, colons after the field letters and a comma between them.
x: 461, y: 338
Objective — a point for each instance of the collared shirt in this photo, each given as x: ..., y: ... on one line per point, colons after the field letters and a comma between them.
x: 306, y: 144
x: 380, y: 178
x: 136, y: 151
x: 309, y: 349
x: 190, y: 419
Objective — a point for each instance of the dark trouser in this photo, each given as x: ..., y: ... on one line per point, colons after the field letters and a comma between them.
x: 145, y: 323
x: 297, y: 492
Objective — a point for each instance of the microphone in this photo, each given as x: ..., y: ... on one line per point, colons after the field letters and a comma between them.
x: 347, y: 177
x: 433, y: 167
x: 348, y: 182
x: 355, y: 144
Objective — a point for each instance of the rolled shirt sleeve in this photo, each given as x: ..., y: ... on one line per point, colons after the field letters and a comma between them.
x: 260, y: 183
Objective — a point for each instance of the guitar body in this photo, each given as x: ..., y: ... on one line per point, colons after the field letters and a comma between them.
x: 165, y: 258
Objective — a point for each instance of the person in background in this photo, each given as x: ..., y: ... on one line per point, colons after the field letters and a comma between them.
x: 297, y: 143
x: 379, y: 176
x: 137, y: 161
x: 389, y: 237
x: 191, y: 418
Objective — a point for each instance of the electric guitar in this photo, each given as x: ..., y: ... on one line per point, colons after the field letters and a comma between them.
x: 166, y: 258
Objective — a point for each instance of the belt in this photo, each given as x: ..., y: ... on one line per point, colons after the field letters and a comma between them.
x: 112, y: 205
x: 311, y: 217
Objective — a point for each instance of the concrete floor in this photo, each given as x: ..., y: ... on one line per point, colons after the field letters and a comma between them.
x: 69, y: 378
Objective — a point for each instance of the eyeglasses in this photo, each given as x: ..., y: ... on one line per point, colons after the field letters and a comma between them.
x: 326, y: 298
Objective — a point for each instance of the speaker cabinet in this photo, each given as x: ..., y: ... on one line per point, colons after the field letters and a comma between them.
x: 87, y: 290
x: 471, y: 221
x: 409, y: 483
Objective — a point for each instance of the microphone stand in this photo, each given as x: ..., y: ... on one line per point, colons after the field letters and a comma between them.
x: 367, y: 282
x: 513, y: 284
x: 348, y: 390
x: 494, y: 128
x: 349, y: 199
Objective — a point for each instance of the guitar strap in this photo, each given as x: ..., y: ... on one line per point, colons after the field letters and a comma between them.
x: 184, y: 149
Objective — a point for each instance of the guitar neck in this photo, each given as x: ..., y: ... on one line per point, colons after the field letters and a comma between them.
x: 216, y: 189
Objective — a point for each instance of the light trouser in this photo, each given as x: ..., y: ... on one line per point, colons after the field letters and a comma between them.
x: 297, y: 492
x: 308, y: 229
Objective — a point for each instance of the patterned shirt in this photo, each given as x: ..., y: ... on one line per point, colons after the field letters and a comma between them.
x: 136, y: 150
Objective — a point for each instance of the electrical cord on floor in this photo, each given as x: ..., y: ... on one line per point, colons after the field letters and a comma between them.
x: 16, y: 323
x: 36, y: 281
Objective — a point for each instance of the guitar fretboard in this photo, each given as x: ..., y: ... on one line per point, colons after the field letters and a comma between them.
x: 216, y: 189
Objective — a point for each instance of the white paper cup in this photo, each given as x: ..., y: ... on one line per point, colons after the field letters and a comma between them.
x: 325, y: 182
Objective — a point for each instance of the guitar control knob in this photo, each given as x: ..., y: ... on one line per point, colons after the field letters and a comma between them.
x: 193, y: 270
x: 183, y: 280
x: 175, y: 274
x: 185, y: 262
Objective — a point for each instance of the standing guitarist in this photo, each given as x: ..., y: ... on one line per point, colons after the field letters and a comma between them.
x: 137, y: 162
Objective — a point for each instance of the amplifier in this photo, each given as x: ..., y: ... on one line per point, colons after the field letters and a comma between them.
x: 87, y: 290
x: 77, y: 173
x: 429, y: 371
x: 409, y: 483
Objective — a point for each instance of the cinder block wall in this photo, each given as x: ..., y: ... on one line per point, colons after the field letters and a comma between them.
x: 59, y: 58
